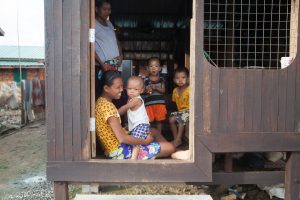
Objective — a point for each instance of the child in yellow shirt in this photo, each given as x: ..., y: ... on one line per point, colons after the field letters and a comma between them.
x: 181, y: 96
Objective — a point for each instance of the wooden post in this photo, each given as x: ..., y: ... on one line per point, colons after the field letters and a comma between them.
x: 294, y: 27
x: 228, y: 162
x: 229, y: 28
x: 61, y: 191
x: 23, y: 111
x: 292, y: 176
x: 92, y: 69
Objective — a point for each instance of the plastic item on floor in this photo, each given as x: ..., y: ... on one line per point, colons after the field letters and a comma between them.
x: 274, y: 190
x: 274, y: 156
x: 181, y: 155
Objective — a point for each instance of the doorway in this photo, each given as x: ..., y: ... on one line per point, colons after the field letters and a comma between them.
x: 145, y: 29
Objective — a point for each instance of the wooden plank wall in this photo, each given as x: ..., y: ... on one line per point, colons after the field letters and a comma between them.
x: 67, y: 79
x: 252, y: 100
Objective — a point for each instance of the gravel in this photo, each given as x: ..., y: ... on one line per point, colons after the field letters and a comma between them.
x: 40, y: 191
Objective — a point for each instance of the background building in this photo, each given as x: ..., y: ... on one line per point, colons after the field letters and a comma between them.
x: 26, y: 62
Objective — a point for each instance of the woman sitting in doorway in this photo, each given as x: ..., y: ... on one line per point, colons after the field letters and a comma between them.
x: 117, y: 144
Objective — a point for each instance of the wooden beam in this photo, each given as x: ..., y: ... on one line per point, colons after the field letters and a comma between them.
x: 92, y: 77
x: 85, y: 80
x: 219, y: 178
x: 61, y: 191
x: 292, y: 176
x: 49, y: 63
x: 162, y: 170
x: 251, y: 142
x: 265, y: 177
x: 294, y: 27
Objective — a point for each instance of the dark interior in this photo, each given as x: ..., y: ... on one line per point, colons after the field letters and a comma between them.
x: 157, y: 28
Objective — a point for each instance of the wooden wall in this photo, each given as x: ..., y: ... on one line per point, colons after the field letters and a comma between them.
x: 253, y: 100
x: 67, y: 72
x: 6, y: 75
x: 227, y: 100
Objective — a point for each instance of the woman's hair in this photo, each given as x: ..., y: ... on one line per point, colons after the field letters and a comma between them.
x: 107, y: 78
x: 181, y: 70
x: 99, y: 3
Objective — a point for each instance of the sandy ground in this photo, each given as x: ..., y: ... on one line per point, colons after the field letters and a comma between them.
x: 23, y: 158
x: 23, y: 172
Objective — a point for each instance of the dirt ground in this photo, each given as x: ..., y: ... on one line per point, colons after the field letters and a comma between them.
x: 23, y: 167
x: 23, y: 156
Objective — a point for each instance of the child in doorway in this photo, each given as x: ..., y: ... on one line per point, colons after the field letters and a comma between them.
x: 138, y: 122
x: 181, y: 96
x: 155, y: 90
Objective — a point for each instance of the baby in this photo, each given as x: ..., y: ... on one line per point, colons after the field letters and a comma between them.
x: 138, y: 122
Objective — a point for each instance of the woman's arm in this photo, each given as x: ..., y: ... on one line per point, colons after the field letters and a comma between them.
x: 104, y: 66
x: 123, y: 137
x: 120, y: 57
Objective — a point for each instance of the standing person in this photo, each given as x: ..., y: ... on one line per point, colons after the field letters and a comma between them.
x: 108, y: 50
x: 138, y: 122
x: 155, y: 90
x: 116, y: 143
x: 181, y: 96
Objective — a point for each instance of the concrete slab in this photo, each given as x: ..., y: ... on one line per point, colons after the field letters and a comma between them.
x: 143, y: 197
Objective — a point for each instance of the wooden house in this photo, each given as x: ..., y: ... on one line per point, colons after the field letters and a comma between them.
x: 232, y: 109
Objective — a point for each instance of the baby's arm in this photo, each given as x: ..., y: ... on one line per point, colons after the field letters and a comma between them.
x: 132, y: 104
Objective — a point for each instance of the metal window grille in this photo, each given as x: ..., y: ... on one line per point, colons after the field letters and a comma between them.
x: 247, y: 33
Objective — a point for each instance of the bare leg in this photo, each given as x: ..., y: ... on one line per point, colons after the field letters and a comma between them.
x: 173, y: 125
x: 158, y: 137
x: 159, y: 126
x: 135, y: 153
x: 178, y: 139
x: 166, y: 148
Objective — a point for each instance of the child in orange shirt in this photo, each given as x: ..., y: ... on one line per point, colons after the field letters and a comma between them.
x: 155, y: 90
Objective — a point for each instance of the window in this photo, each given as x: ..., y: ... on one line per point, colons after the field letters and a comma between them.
x: 249, y: 33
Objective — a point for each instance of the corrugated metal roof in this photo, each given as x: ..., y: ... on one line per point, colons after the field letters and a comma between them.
x: 26, y: 52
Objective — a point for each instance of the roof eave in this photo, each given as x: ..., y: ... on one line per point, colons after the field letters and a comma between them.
x: 2, y: 33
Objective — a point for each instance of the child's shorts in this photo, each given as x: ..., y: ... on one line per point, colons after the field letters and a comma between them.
x: 156, y: 112
x: 181, y: 117
x: 124, y: 151
x: 141, y: 131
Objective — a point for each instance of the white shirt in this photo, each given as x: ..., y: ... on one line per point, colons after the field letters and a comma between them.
x: 138, y: 116
x: 106, y: 41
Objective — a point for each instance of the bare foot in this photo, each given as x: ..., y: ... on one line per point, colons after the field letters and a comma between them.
x: 181, y: 155
x: 177, y: 143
